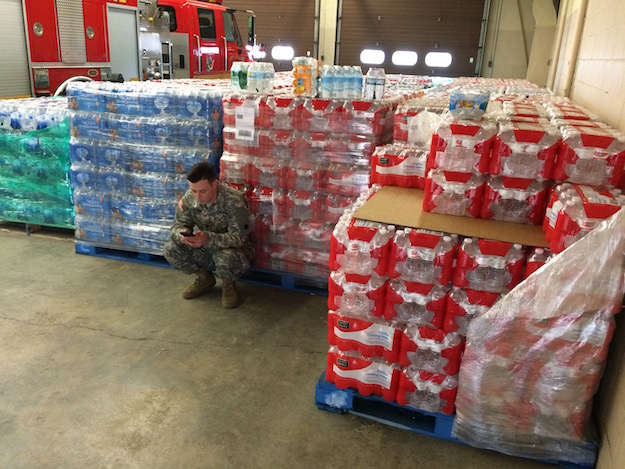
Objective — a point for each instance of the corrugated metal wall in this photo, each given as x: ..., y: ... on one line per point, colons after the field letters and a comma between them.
x: 280, y: 22
x: 418, y: 25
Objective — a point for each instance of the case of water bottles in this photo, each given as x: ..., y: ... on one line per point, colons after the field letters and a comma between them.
x: 341, y: 82
x: 351, y: 294
x: 412, y: 303
x: 462, y: 146
x: 514, y: 200
x: 524, y: 150
x: 463, y: 304
x: 432, y: 350
x: 590, y: 155
x: 514, y: 109
x: 427, y: 391
x: 360, y: 247
x: 423, y: 256
x: 404, y: 117
x: 304, y: 262
x: 567, y: 110
x: 365, y: 334
x: 298, y: 205
x: 528, y: 378
x: 536, y: 258
x: 399, y: 165
x: 373, y: 375
x: 575, y: 210
x: 454, y: 193
x: 487, y: 265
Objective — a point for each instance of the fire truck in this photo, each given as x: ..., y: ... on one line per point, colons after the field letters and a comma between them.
x: 122, y: 40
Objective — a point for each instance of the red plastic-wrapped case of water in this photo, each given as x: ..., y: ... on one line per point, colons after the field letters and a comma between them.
x: 427, y: 391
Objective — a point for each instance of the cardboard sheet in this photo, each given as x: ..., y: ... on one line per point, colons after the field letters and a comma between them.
x: 403, y: 208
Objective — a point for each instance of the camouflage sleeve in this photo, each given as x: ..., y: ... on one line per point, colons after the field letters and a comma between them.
x: 183, y: 220
x: 238, y: 227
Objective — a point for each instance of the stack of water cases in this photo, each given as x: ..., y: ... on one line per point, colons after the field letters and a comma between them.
x: 34, y: 162
x: 533, y: 362
x: 590, y: 166
x: 130, y: 149
x: 403, y: 162
x: 301, y: 161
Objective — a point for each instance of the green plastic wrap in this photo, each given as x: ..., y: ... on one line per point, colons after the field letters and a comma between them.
x: 34, y: 177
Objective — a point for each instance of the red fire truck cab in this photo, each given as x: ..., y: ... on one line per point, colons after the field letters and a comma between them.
x: 131, y: 40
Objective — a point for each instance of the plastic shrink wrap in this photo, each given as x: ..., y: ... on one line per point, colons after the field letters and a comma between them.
x: 533, y: 362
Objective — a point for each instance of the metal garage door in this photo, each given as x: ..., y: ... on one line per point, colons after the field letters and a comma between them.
x: 14, y: 74
x: 421, y: 26
x: 281, y: 23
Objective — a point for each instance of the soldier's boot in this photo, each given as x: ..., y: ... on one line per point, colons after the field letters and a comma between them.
x: 229, y: 294
x: 202, y: 285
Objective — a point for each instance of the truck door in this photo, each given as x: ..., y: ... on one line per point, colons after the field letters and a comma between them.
x: 233, y: 43
x: 209, y: 53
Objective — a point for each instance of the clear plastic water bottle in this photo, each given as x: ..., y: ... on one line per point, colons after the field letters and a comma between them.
x: 339, y: 82
x: 356, y: 82
x: 327, y: 82
x: 238, y: 76
x: 375, y: 82
x: 254, y: 77
x: 268, y: 78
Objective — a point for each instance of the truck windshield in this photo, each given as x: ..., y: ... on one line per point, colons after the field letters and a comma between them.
x: 231, y: 29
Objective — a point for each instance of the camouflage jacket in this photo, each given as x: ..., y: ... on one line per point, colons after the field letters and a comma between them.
x: 226, y: 221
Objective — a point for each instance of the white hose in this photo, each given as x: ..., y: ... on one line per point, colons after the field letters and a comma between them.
x: 63, y: 85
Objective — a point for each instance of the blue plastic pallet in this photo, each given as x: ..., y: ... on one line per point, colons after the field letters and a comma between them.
x: 255, y: 276
x: 121, y: 255
x: 286, y: 281
x: 333, y: 399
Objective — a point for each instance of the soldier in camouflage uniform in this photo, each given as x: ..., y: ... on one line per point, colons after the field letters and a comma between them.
x: 220, y: 244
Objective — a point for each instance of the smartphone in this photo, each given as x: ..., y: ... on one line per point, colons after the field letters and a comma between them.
x: 187, y: 234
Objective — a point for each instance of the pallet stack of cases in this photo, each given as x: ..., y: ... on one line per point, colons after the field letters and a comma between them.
x: 401, y: 300
x: 131, y: 146
x: 301, y: 161
x: 34, y: 162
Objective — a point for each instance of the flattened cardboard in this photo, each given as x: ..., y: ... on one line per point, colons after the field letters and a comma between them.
x: 403, y: 207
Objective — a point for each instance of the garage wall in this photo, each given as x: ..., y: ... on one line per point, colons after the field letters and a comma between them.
x: 597, y: 62
x: 589, y: 67
x: 519, y: 39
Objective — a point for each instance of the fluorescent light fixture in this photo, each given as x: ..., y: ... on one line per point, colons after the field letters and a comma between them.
x: 282, y: 53
x: 438, y: 59
x: 405, y: 57
x: 372, y: 56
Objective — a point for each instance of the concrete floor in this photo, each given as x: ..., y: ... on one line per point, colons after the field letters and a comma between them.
x: 104, y: 365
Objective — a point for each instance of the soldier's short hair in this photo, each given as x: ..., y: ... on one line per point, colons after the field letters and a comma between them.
x: 201, y: 171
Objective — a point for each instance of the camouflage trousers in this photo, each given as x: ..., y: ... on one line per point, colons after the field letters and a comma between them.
x: 226, y: 263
